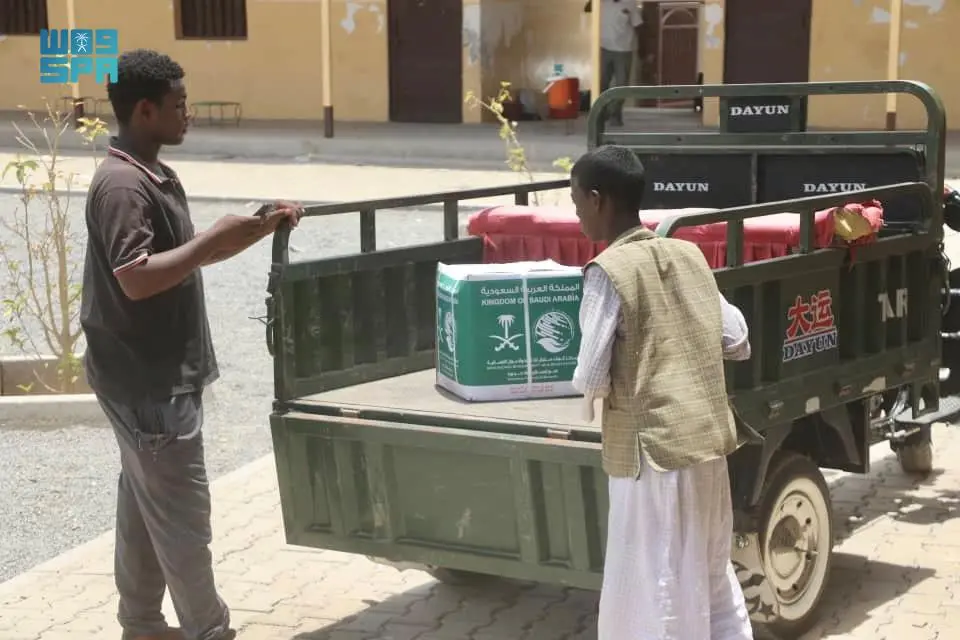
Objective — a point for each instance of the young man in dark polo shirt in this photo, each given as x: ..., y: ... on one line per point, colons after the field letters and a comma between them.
x: 149, y: 353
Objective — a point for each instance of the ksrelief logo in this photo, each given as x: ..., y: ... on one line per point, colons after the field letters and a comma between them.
x: 449, y: 331
x: 555, y: 331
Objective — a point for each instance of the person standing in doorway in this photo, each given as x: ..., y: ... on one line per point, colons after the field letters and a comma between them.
x: 149, y: 352
x: 621, y: 22
x: 654, y: 333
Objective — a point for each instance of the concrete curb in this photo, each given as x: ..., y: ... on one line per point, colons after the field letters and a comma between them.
x: 50, y: 411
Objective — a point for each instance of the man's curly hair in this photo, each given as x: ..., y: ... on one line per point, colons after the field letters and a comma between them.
x: 614, y: 172
x: 142, y: 74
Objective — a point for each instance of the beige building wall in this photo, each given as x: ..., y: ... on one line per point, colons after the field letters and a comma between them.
x: 20, y: 66
x: 520, y: 41
x: 524, y: 39
x: 712, y: 41
x: 275, y: 73
x: 361, y: 73
x: 849, y: 42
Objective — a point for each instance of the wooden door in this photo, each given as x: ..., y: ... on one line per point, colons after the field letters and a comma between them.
x: 426, y: 64
x: 668, y: 48
x: 648, y: 46
x: 767, y: 41
x: 676, y: 57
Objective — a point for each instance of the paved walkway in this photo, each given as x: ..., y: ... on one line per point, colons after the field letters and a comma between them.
x: 244, y: 181
x: 896, y: 575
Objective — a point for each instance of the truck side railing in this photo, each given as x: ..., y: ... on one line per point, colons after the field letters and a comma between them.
x: 807, y: 208
x: 450, y: 200
x: 928, y: 144
x: 333, y: 339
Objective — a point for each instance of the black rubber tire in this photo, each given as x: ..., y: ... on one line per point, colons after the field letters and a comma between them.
x: 916, y: 457
x: 786, y: 469
x: 915, y: 454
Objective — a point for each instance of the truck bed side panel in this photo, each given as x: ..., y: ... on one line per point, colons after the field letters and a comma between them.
x: 878, y: 326
x: 472, y: 500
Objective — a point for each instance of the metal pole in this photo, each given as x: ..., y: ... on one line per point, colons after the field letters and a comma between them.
x: 893, y: 59
x: 77, y: 104
x: 595, y: 9
x: 327, y: 69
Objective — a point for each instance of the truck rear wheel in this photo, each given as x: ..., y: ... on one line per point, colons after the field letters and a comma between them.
x: 916, y: 458
x: 796, y: 540
x: 915, y: 454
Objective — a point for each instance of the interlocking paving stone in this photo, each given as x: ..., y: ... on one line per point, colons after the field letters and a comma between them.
x: 895, y: 575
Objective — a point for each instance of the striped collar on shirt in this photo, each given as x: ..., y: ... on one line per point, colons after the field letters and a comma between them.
x: 117, y: 152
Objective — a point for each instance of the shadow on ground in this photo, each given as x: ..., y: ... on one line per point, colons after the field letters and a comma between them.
x: 488, y: 610
x: 888, y: 492
x: 859, y: 584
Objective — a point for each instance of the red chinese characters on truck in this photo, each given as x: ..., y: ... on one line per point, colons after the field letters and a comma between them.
x: 811, y: 328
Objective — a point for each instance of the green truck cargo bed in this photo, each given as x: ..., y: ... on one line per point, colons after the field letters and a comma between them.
x: 415, y: 393
x: 403, y: 471
x: 373, y: 459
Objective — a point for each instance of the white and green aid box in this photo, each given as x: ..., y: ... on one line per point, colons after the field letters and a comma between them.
x: 508, y: 331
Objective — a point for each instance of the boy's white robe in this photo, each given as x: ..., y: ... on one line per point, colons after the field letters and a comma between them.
x: 667, y: 573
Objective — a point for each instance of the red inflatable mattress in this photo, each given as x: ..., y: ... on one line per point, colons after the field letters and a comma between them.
x: 515, y: 233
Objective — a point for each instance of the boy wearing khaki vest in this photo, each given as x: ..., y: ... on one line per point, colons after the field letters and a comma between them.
x: 655, y: 331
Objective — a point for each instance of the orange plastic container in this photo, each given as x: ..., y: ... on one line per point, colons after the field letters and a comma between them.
x: 563, y: 98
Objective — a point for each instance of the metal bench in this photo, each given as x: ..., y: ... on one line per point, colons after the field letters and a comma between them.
x: 220, y: 106
x: 70, y: 105
x: 83, y: 106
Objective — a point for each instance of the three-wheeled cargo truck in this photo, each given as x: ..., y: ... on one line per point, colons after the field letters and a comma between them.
x: 373, y: 459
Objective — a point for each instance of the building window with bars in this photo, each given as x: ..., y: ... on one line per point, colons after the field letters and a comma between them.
x: 22, y: 17
x: 211, y: 19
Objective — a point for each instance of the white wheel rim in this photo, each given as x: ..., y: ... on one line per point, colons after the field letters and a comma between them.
x: 796, y: 547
